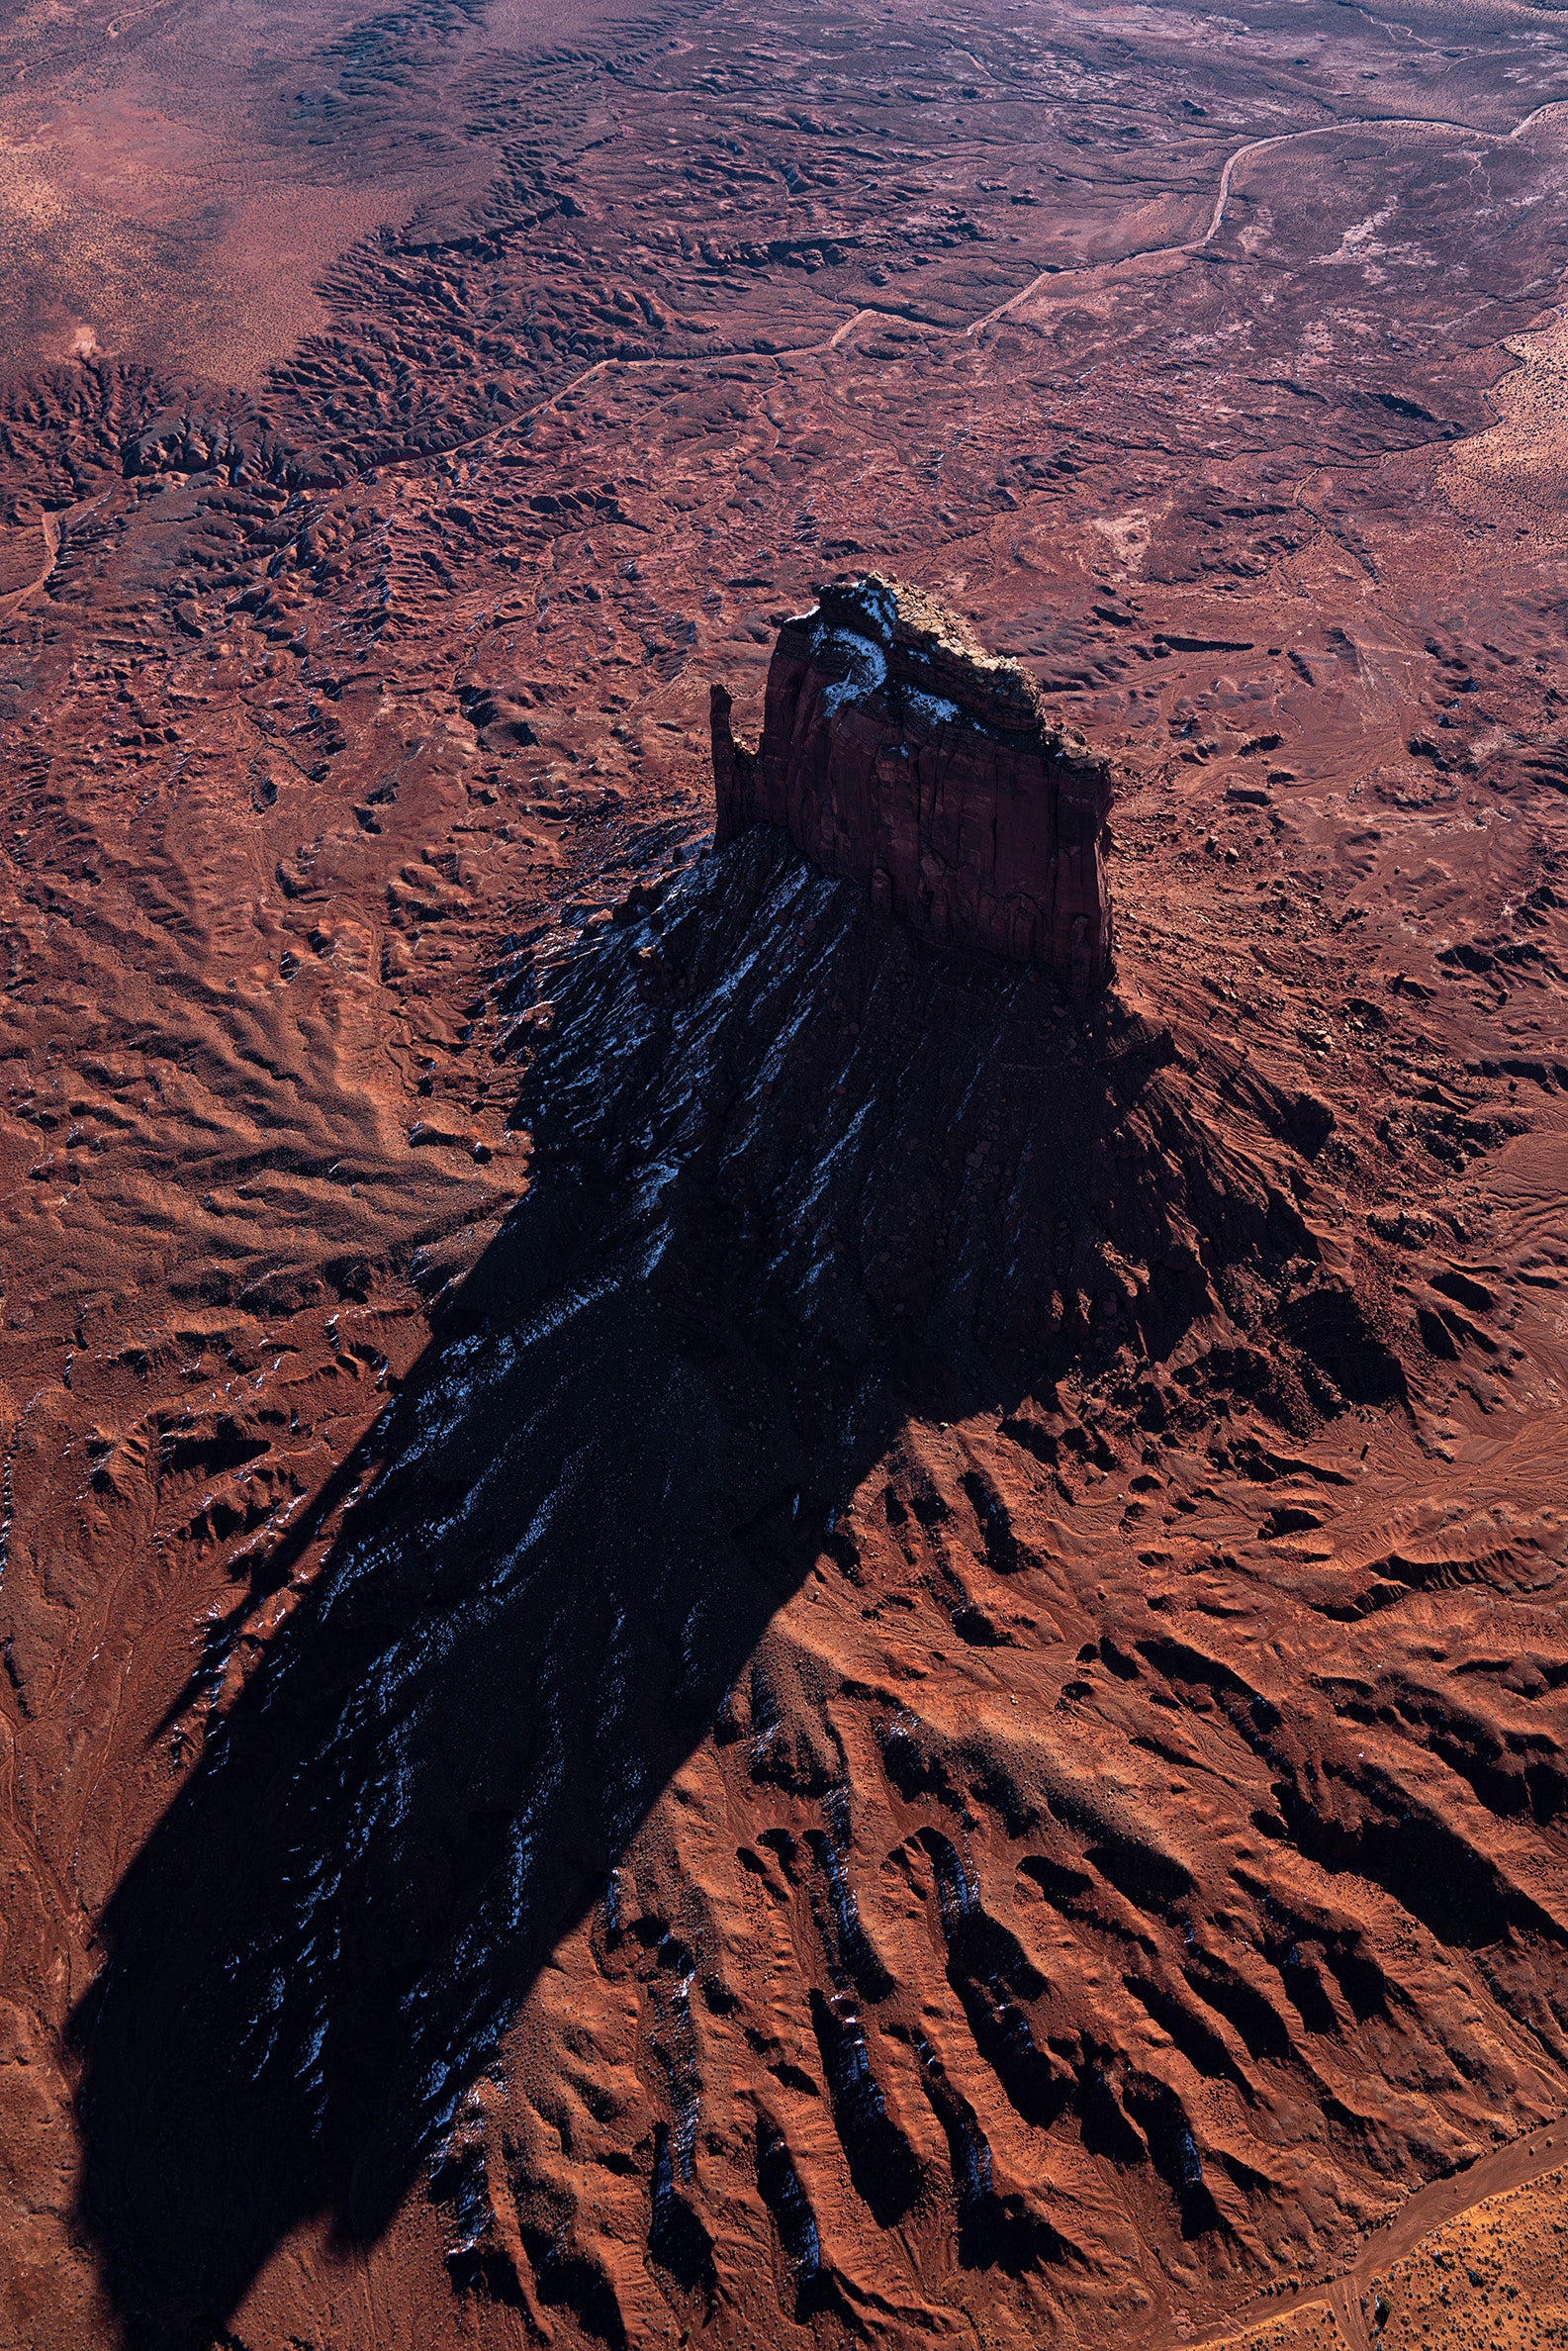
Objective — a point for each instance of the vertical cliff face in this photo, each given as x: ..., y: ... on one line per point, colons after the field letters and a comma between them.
x: 896, y: 753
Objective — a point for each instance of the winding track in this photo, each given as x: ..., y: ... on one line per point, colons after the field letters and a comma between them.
x: 11, y: 606
x: 1516, y: 2165
x: 847, y: 327
x: 53, y: 522
x: 50, y: 525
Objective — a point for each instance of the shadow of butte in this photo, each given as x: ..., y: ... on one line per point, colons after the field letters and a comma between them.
x: 820, y: 1185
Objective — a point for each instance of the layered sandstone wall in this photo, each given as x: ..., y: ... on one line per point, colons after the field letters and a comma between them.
x: 896, y: 753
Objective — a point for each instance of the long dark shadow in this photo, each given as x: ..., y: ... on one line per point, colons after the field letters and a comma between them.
x: 797, y: 1176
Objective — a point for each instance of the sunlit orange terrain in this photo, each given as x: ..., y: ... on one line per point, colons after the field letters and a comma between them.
x: 761, y: 1594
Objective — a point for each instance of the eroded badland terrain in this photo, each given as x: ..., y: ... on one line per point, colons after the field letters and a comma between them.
x: 721, y: 1626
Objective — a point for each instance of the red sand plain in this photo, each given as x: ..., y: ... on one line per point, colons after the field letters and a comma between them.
x: 714, y: 1630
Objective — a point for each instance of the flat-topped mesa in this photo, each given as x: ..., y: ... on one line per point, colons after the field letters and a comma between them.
x: 897, y: 753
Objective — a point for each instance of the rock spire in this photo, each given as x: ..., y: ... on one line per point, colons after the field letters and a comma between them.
x: 897, y: 753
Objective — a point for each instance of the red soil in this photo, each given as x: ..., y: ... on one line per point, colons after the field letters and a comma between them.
x: 715, y: 1625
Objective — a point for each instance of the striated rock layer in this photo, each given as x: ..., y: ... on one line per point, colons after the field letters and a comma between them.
x: 896, y: 753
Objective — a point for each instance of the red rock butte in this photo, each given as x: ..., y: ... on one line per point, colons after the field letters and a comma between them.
x: 897, y: 753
